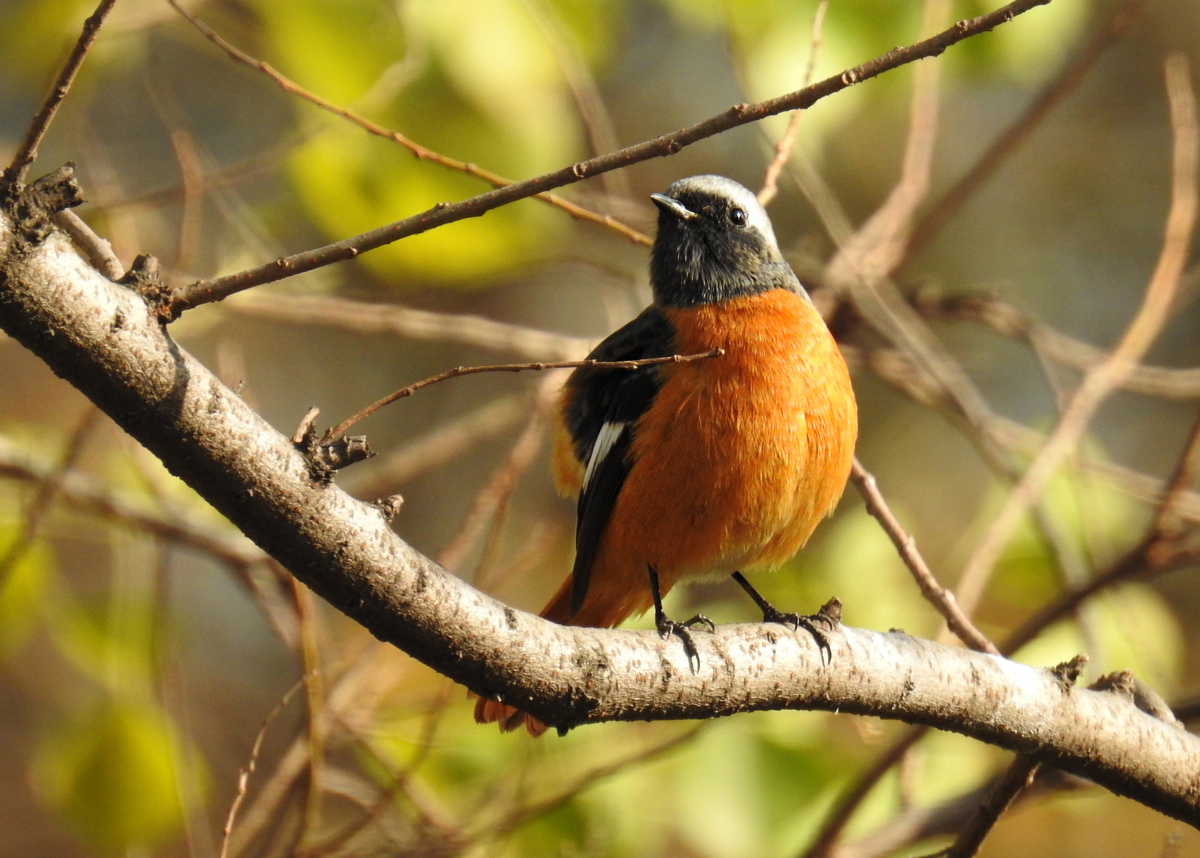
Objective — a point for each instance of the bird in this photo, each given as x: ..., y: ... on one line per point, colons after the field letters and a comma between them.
x: 716, y: 466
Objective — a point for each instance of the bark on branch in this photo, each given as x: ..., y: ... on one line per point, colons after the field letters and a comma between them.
x: 102, y: 338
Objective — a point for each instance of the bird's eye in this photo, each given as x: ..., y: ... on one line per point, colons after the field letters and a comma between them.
x: 737, y: 216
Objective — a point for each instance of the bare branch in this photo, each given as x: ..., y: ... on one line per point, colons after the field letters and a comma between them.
x: 367, y: 318
x: 47, y: 491
x: 98, y: 251
x: 593, y: 113
x: 460, y: 371
x: 14, y: 175
x: 421, y: 152
x: 906, y: 547
x: 207, y: 291
x: 1167, y: 519
x: 243, y: 780
x: 1139, y: 561
x: 1009, y: 321
x: 1103, y: 379
x: 1072, y: 74
x: 897, y: 369
x: 1003, y: 792
x: 853, y: 797
x: 492, y: 500
x: 81, y: 492
x: 519, y: 816
x: 783, y: 149
x: 860, y: 269
x: 431, y: 450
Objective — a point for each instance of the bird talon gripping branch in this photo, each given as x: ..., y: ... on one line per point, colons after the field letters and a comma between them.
x: 718, y: 465
x: 668, y: 627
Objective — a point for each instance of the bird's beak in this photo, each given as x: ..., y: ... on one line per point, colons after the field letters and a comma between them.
x: 670, y: 205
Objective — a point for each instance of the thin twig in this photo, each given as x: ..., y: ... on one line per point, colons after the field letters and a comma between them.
x: 589, y: 102
x: 192, y: 179
x: 906, y: 546
x: 504, y: 484
x: 1103, y: 379
x: 98, y: 251
x: 429, y: 819
x: 824, y: 844
x: 122, y: 223
x: 1137, y: 563
x: 895, y: 368
x: 354, y: 695
x: 864, y: 258
x: 492, y: 499
x: 853, y: 797
x: 431, y: 450
x: 1067, y: 81
x: 14, y: 175
x: 314, y: 687
x: 923, y: 821
x: 243, y: 780
x: 1004, y: 791
x: 367, y: 317
x: 1052, y: 344
x: 1167, y: 520
x: 207, y: 291
x: 421, y: 152
x: 47, y: 492
x: 458, y: 371
x: 522, y: 815
x: 783, y: 149
x: 89, y: 495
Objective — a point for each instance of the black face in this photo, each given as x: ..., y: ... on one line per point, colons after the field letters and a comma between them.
x: 715, y: 242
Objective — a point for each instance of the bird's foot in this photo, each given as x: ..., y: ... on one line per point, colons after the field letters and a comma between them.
x: 667, y: 627
x: 820, y: 625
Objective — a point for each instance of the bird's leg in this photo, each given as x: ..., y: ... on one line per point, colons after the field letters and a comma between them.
x: 667, y: 627
x: 819, y: 625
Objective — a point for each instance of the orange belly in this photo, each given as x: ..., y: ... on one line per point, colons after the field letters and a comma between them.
x: 737, y: 460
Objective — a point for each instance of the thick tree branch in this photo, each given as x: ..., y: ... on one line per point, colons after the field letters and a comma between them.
x: 102, y: 338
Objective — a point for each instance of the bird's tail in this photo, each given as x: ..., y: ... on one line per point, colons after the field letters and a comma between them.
x: 508, y: 717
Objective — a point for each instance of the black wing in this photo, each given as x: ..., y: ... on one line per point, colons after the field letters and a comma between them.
x: 602, y: 407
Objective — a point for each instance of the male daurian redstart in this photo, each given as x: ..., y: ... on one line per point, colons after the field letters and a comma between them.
x: 721, y: 465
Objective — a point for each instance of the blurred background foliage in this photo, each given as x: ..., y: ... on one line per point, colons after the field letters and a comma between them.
x: 143, y: 644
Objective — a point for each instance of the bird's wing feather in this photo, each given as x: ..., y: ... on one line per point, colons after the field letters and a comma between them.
x: 601, y: 409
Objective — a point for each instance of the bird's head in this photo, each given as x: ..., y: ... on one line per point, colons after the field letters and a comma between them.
x: 715, y: 242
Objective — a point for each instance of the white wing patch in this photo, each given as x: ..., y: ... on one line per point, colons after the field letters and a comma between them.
x: 609, y: 433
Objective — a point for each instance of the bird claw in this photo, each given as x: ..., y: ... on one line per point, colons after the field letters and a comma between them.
x: 667, y: 627
x: 820, y: 625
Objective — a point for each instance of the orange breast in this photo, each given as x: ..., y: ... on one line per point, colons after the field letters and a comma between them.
x: 737, y: 460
